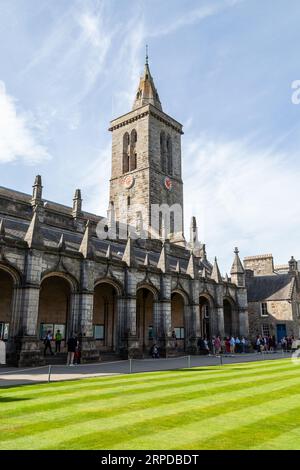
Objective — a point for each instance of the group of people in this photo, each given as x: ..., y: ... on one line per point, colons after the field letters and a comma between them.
x: 265, y: 343
x: 290, y: 343
x: 73, y: 346
x: 218, y: 345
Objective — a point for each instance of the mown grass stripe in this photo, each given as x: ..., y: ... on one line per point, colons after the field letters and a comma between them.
x: 94, y: 410
x: 175, y: 437
x: 186, y: 413
x: 183, y: 375
x: 287, y: 440
x: 136, y: 417
x: 226, y: 369
x: 255, y: 435
x: 72, y: 397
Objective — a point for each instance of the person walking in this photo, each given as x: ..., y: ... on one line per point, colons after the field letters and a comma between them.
x: 232, y: 345
x: 58, y: 338
x: 47, y: 343
x: 155, y: 352
x: 72, y: 344
x: 217, y: 345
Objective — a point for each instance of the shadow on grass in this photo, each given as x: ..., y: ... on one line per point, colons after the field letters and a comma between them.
x: 10, y: 399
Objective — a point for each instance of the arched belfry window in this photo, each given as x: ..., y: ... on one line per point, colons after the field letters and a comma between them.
x: 133, y: 152
x: 169, y: 156
x: 126, y: 152
x: 163, y: 151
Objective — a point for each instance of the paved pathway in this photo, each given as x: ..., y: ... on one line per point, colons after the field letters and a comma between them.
x: 13, y: 376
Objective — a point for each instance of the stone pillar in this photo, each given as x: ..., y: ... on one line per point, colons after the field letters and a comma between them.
x: 244, y: 322
x: 133, y: 344
x: 220, y: 317
x: 85, y: 301
x: 14, y: 328
x: 192, y: 327
x: 28, y: 344
x: 156, y: 320
x: 164, y: 329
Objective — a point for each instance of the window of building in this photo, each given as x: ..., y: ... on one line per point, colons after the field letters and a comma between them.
x: 163, y: 151
x: 4, y: 330
x: 132, y: 152
x: 179, y: 332
x: 53, y: 328
x: 264, y: 309
x: 265, y: 330
x: 126, y: 151
x: 169, y: 156
x: 128, y: 200
x: 172, y: 222
x: 99, y: 332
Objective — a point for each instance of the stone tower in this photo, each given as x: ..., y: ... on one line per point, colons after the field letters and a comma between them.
x: 146, y: 166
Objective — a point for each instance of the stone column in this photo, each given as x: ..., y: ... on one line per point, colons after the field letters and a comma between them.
x: 29, y: 346
x: 14, y: 328
x: 220, y: 317
x: 133, y: 344
x: 85, y: 301
x: 244, y: 322
x: 192, y: 327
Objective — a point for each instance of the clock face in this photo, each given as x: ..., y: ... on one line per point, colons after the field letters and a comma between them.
x: 128, y: 181
x: 168, y: 183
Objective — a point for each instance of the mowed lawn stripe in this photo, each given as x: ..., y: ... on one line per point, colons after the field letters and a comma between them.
x: 35, y: 423
x: 226, y: 371
x: 181, y: 436
x: 169, y: 419
x: 255, y: 434
x: 285, y: 441
x: 71, y: 397
x: 58, y: 435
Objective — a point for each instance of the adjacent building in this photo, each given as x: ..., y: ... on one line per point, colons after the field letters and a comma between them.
x: 273, y: 294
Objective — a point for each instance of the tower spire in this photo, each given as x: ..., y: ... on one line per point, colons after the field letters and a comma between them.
x: 146, y: 92
x: 146, y: 63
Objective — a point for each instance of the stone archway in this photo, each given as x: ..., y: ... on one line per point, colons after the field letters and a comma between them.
x: 105, y: 317
x: 54, y: 307
x: 206, y: 310
x: 6, y: 303
x: 145, y: 327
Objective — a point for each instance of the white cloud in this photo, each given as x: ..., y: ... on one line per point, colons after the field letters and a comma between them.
x: 241, y: 196
x: 94, y: 182
x: 194, y: 16
x: 18, y: 139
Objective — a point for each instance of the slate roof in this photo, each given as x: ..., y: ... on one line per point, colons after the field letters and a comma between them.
x: 15, y: 229
x: 263, y: 288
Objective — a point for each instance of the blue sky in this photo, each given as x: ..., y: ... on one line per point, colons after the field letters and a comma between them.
x: 224, y: 69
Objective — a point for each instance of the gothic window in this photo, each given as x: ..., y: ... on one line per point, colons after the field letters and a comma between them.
x: 169, y: 156
x: 172, y: 222
x: 133, y: 154
x: 126, y: 152
x: 163, y: 151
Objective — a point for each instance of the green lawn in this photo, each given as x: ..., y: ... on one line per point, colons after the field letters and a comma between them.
x: 242, y: 406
